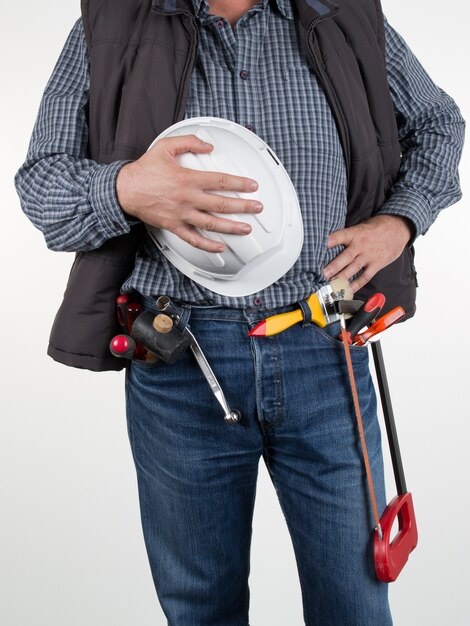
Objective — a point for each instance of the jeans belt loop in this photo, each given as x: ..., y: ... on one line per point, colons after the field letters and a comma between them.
x: 306, y: 312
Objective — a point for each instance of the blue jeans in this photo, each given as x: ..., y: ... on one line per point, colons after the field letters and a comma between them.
x: 197, y: 475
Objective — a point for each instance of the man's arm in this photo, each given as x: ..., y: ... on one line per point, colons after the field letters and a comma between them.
x: 431, y: 132
x: 70, y: 198
x: 78, y: 204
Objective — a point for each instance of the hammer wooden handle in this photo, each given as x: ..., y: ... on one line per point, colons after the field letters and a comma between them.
x: 162, y: 323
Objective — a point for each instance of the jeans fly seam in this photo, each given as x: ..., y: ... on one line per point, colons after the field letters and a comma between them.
x: 258, y: 377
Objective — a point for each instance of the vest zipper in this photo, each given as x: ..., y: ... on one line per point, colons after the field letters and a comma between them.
x: 188, y: 68
x: 331, y: 95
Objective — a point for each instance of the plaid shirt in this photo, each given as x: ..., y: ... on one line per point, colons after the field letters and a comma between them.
x: 258, y: 76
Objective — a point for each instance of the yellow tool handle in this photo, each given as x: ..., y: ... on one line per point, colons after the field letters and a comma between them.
x: 277, y: 323
x: 318, y: 316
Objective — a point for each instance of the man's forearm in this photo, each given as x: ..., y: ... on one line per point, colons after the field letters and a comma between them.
x: 70, y: 198
x: 72, y: 201
x: 431, y: 132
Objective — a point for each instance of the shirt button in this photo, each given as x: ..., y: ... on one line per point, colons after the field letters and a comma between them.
x: 258, y: 301
x: 250, y: 127
x: 244, y: 74
x: 220, y: 23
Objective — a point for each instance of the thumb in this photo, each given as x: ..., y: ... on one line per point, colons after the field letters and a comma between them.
x: 186, y: 143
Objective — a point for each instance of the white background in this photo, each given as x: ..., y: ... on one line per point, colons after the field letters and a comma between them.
x: 72, y: 552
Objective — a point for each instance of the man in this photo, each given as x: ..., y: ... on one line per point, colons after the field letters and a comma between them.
x: 372, y: 147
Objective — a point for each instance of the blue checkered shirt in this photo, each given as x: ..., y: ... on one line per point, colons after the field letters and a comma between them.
x: 256, y: 75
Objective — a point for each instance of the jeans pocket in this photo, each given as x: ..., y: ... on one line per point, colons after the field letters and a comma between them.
x: 331, y: 334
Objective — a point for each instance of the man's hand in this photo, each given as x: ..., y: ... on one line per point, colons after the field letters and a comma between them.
x: 371, y: 245
x: 161, y: 193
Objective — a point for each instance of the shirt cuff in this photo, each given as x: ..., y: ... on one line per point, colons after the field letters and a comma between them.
x: 103, y: 199
x: 410, y: 204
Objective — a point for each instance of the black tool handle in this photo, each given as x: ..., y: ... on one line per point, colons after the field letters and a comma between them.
x: 389, y: 418
x: 366, y: 314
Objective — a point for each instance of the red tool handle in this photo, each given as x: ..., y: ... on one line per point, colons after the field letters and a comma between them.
x: 380, y: 325
x: 121, y: 305
x: 123, y: 347
x: 133, y: 310
x: 391, y: 557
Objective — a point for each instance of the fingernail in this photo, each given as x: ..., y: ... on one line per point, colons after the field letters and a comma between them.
x: 254, y: 185
x: 258, y: 207
x: 246, y: 228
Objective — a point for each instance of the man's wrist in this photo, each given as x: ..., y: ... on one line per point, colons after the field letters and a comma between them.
x: 408, y: 227
x: 404, y: 227
x: 123, y: 190
x: 102, y: 196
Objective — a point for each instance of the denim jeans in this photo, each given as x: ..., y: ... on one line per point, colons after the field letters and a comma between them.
x: 197, y: 475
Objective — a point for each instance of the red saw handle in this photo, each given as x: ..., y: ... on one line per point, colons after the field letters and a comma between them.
x: 390, y: 558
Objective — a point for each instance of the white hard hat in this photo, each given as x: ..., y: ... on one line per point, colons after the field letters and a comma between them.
x: 249, y: 263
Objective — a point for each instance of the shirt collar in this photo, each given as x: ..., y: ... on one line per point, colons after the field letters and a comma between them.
x: 198, y: 5
x: 284, y: 6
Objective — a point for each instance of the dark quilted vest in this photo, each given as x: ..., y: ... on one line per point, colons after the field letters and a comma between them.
x: 141, y: 57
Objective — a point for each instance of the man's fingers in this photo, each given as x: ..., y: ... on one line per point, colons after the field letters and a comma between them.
x: 199, y: 220
x: 369, y: 247
x: 353, y: 268
x: 340, y: 237
x: 185, y: 143
x: 194, y: 238
x: 220, y: 181
x: 363, y: 279
x: 214, y: 181
x: 211, y: 223
x: 339, y: 263
x: 218, y: 203
x: 160, y: 192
